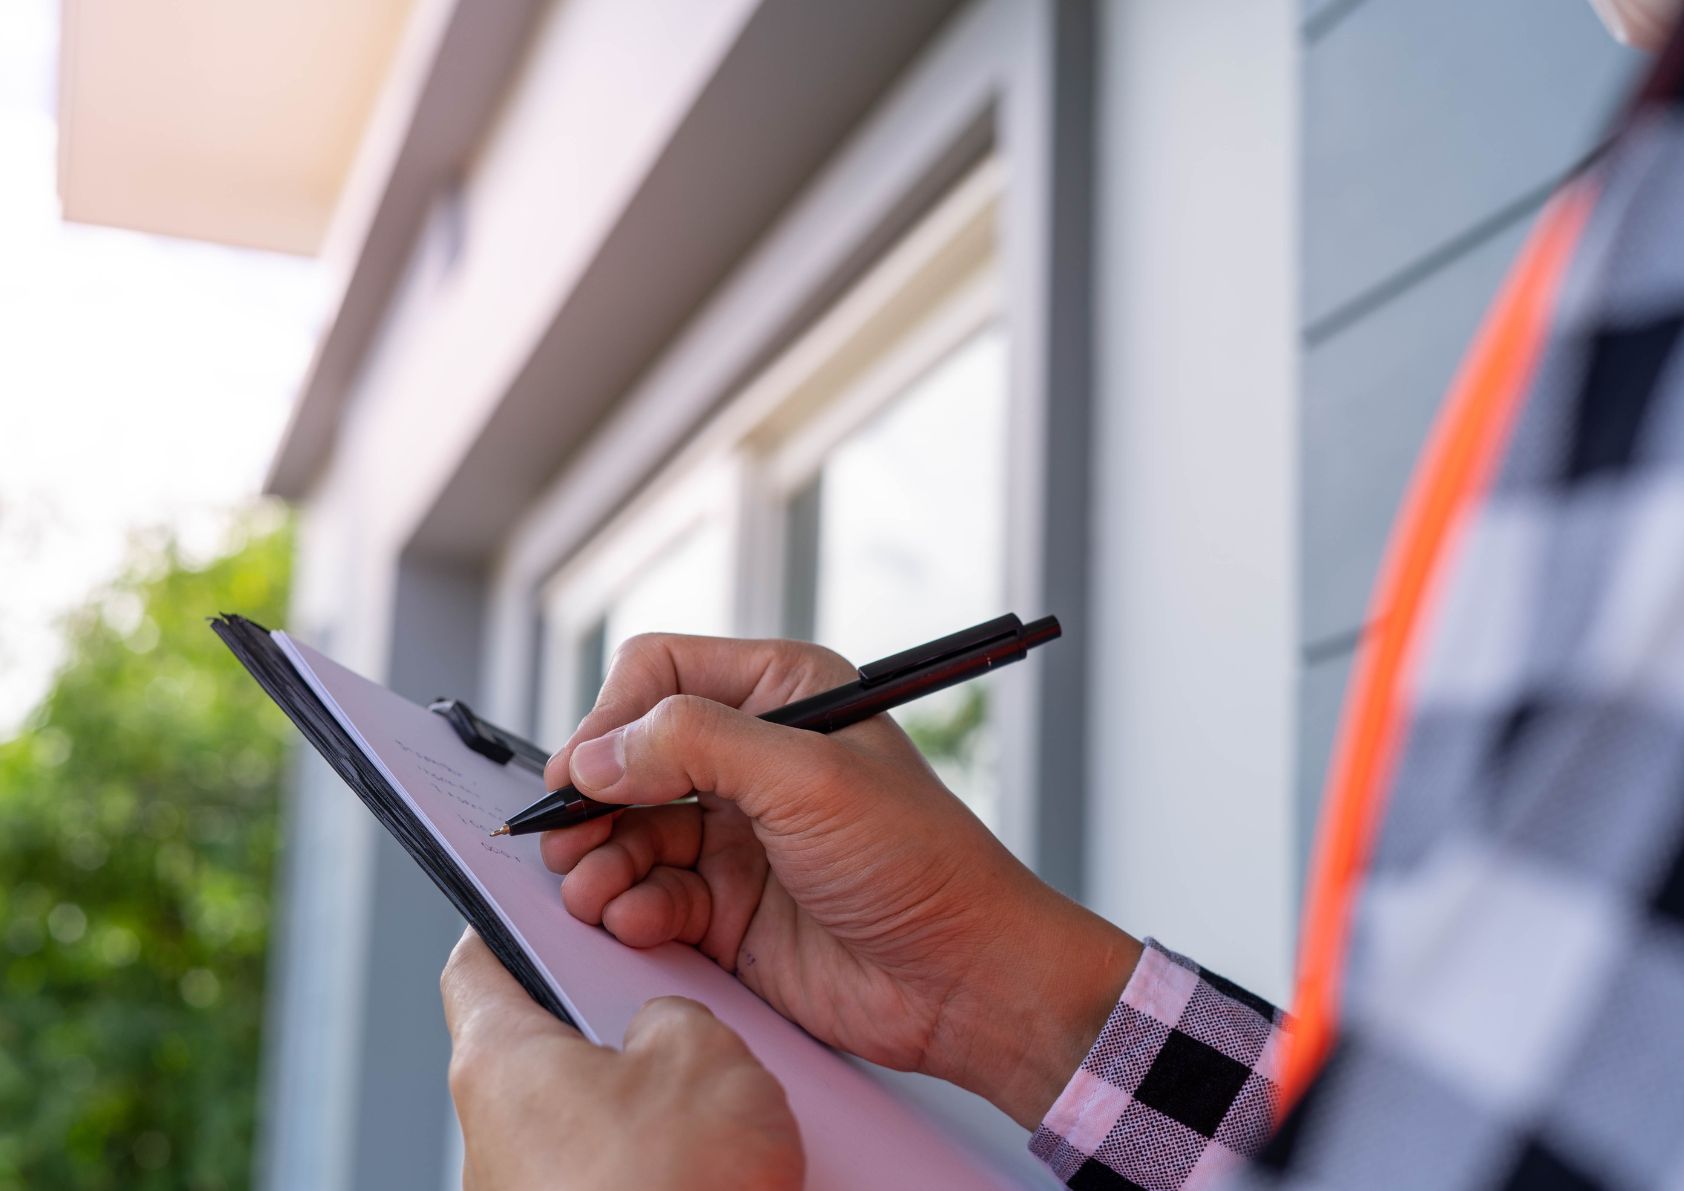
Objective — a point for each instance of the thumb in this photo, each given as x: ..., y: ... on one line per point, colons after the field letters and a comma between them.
x: 686, y: 743
x: 483, y: 1004
x: 679, y: 1028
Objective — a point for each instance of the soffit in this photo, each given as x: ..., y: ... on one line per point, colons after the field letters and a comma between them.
x: 235, y: 123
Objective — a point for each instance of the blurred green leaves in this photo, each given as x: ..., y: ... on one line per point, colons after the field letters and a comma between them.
x: 137, y: 847
x: 951, y: 735
x: 954, y: 732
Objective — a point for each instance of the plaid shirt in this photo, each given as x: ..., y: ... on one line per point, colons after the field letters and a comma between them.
x: 1512, y: 1013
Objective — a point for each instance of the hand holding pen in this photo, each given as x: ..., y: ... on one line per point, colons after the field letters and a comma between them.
x: 881, y: 686
x: 835, y: 874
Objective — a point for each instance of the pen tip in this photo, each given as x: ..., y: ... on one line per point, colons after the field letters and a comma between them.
x: 503, y: 830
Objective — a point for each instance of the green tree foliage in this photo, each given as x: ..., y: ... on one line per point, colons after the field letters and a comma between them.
x: 951, y: 735
x: 952, y: 730
x: 137, y: 848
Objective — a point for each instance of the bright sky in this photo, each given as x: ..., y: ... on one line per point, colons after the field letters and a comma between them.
x: 143, y: 381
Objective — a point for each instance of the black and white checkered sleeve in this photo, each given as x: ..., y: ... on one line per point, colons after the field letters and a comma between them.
x: 1180, y: 1088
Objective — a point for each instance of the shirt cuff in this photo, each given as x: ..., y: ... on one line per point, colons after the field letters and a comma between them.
x: 1180, y: 1087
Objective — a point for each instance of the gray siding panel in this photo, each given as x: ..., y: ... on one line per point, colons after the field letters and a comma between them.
x: 1321, y: 695
x: 1320, y: 16
x: 1370, y: 395
x: 1423, y: 116
x: 1424, y: 122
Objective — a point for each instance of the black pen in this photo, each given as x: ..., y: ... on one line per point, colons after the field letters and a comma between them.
x: 882, y: 685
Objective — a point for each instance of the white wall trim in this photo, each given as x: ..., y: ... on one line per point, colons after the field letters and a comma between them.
x: 1195, y: 590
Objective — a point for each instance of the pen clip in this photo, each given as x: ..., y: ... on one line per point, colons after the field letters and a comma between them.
x: 487, y: 739
x: 963, y: 641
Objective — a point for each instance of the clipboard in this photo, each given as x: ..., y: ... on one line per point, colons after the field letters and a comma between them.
x: 439, y: 779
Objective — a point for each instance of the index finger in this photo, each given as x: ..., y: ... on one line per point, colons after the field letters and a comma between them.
x: 754, y: 675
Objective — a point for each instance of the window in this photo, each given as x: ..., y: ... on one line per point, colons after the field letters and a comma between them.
x: 855, y: 494
x: 897, y: 537
x: 665, y: 566
x: 680, y: 590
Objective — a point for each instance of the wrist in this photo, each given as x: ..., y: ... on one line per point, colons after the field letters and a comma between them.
x: 1036, y: 1004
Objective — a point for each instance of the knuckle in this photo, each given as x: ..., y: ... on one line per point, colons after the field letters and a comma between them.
x: 618, y: 863
x: 681, y: 719
x: 804, y: 667
x: 828, y: 659
x: 675, y: 1020
x: 680, y: 1008
x: 466, y: 1072
x: 642, y: 655
x: 637, y: 646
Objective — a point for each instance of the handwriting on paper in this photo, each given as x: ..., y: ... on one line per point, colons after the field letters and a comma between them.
x: 451, y: 783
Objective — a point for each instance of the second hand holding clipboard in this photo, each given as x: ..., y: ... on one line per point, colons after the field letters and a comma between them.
x: 881, y: 686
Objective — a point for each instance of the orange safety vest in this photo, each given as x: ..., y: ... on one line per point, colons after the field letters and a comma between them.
x: 1449, y: 481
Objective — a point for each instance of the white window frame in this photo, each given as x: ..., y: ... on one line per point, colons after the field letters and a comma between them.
x: 1002, y: 78
x: 581, y: 593
x: 929, y: 295
x: 935, y: 289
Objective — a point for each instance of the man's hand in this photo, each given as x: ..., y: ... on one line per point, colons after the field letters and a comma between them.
x: 684, y: 1105
x: 835, y: 874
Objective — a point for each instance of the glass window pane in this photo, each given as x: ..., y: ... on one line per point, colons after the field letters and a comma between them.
x: 684, y: 589
x: 910, y: 544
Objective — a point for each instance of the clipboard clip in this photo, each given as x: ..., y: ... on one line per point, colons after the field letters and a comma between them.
x: 487, y: 739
